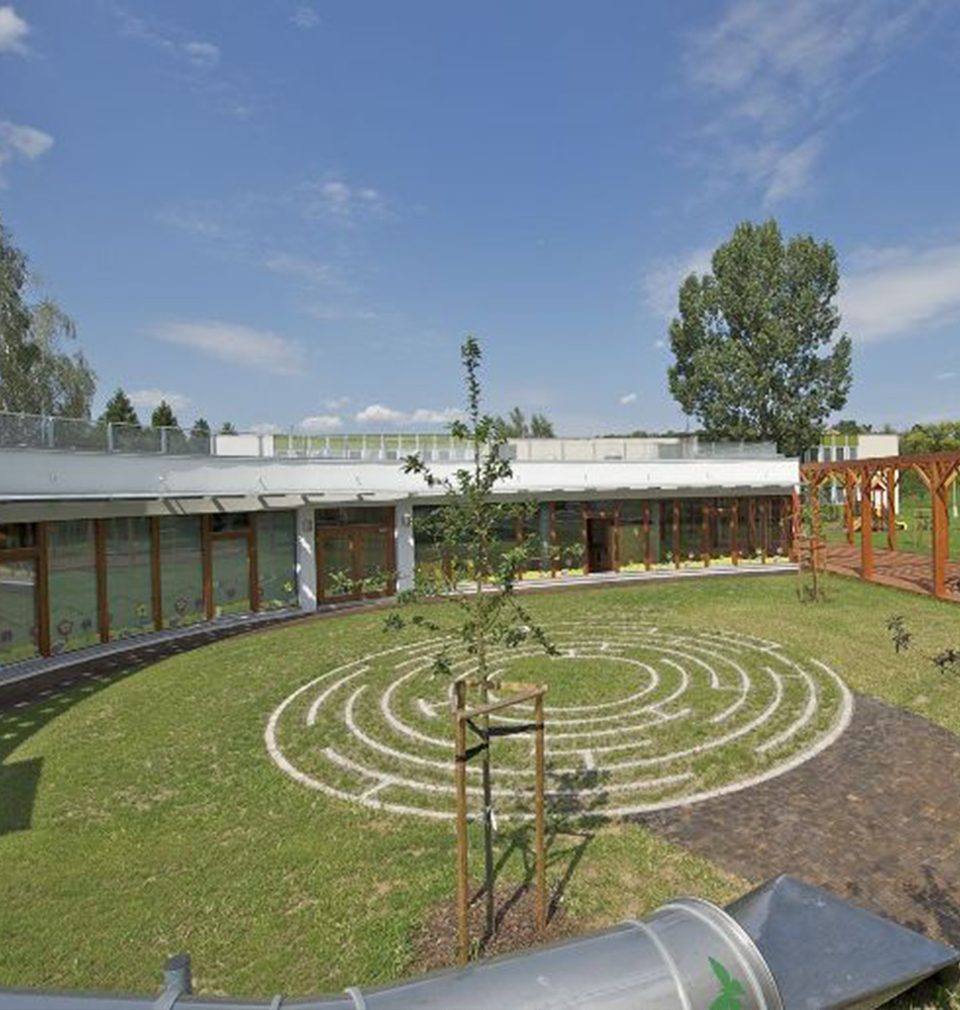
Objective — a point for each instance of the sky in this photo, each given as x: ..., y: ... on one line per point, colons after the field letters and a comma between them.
x: 285, y: 213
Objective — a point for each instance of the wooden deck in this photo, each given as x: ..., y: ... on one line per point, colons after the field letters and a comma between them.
x: 899, y: 569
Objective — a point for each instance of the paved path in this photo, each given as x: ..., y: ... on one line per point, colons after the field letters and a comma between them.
x: 899, y: 569
x: 874, y: 818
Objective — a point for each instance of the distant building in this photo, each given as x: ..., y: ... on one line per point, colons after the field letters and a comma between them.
x: 838, y: 448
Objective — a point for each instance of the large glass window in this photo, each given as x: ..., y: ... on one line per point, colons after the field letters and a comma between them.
x: 129, y: 584
x: 669, y: 537
x: 428, y: 552
x: 568, y: 526
x: 17, y: 536
x: 181, y: 571
x: 355, y: 516
x: 73, y: 585
x: 373, y: 547
x: 18, y: 609
x: 536, y: 536
x: 336, y: 566
x: 691, y: 530
x: 231, y: 575
x: 721, y: 528
x: 631, y: 544
x: 277, y: 559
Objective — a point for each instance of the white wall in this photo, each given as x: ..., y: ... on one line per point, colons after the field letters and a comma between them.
x: 64, y: 475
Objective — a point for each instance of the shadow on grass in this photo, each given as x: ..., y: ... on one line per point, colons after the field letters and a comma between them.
x: 39, y: 702
x: 573, y: 803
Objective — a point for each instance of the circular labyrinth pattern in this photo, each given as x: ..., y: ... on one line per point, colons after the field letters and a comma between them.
x: 638, y: 718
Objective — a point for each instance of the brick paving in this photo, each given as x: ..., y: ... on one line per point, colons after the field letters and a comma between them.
x: 899, y: 569
x: 874, y: 818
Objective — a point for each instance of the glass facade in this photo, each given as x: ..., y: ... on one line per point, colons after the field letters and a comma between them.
x: 129, y: 582
x: 335, y: 564
x: 231, y: 575
x: 355, y: 558
x: 18, y: 609
x: 277, y: 559
x: 181, y: 571
x: 568, y: 546
x: 73, y: 585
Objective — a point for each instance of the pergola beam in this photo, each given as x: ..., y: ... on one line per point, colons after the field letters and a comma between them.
x: 938, y: 471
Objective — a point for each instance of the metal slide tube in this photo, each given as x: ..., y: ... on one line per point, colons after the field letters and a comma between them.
x: 677, y: 959
x: 785, y: 946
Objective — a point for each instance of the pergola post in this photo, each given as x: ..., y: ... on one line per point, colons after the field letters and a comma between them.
x: 940, y: 530
x: 849, y: 483
x: 866, y: 524
x: 891, y: 508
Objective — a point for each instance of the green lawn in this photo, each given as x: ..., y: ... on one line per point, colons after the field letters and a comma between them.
x: 145, y: 816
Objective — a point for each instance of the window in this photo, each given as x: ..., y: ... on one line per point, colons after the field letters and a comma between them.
x: 73, y: 585
x: 129, y: 582
x: 181, y: 571
x: 277, y: 559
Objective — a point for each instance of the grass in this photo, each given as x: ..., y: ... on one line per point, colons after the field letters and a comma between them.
x: 142, y: 817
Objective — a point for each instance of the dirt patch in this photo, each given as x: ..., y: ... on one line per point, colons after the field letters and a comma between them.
x: 434, y: 944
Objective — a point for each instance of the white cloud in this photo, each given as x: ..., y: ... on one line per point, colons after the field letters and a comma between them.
x: 945, y: 376
x: 314, y: 272
x: 898, y: 292
x: 18, y: 141
x: 377, y: 413
x: 151, y: 398
x: 628, y: 398
x: 321, y: 423
x: 13, y: 31
x: 344, y: 202
x: 424, y: 415
x: 336, y: 403
x: 661, y: 282
x: 775, y: 82
x: 264, y: 428
x: 236, y: 344
x: 203, y: 55
x: 305, y: 17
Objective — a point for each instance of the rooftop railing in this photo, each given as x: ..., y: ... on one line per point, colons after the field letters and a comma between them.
x: 34, y: 431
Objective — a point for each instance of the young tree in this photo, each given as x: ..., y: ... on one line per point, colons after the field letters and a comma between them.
x: 163, y: 416
x: 119, y: 410
x: 37, y: 376
x: 477, y: 579
x: 755, y: 355
x: 201, y: 428
x: 227, y: 428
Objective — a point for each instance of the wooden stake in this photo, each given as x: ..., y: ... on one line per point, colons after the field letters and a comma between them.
x: 460, y: 782
x: 539, y: 791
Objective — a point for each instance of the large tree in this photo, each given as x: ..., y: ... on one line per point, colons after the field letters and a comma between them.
x: 754, y: 342
x: 119, y: 410
x: 163, y: 416
x: 37, y: 376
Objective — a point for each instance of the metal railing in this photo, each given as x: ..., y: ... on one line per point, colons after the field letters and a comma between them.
x: 34, y: 431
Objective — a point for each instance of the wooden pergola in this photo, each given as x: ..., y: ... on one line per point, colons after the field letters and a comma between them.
x: 864, y: 480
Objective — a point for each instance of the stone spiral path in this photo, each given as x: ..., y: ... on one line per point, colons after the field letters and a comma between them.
x: 639, y: 718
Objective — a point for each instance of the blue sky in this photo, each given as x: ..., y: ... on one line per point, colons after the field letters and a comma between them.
x: 290, y: 212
